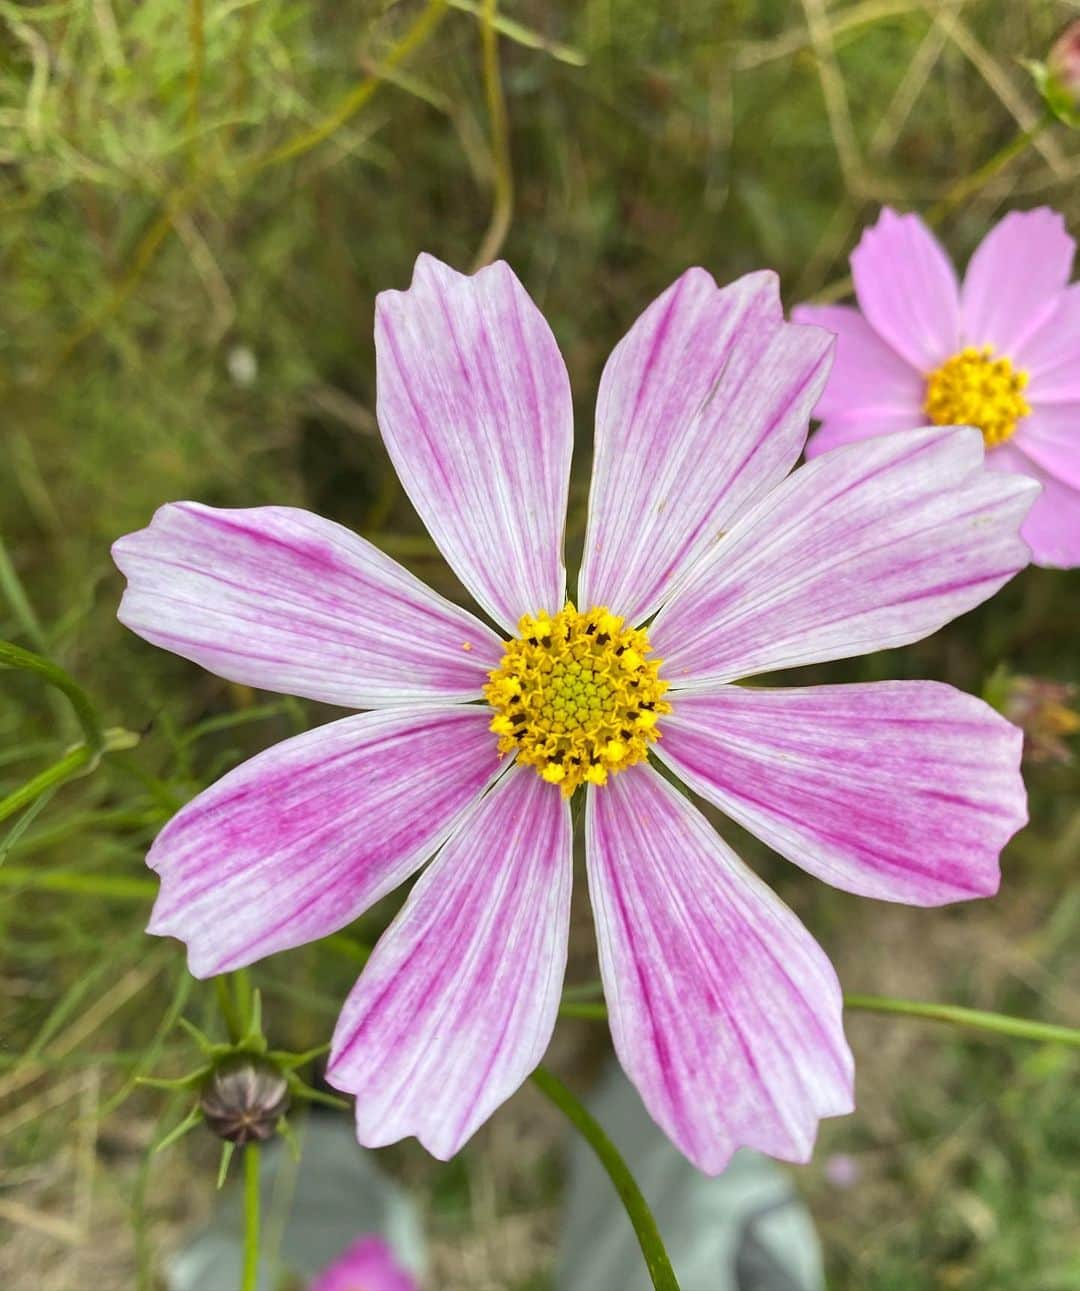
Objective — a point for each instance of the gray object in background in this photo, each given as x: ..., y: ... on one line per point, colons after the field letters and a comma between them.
x: 744, y: 1231
x: 319, y: 1207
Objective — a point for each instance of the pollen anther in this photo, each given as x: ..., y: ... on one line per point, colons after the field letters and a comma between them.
x: 576, y: 697
x: 975, y: 389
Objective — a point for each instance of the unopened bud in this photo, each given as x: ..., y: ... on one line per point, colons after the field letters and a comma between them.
x: 1058, y: 79
x: 1041, y: 709
x: 1063, y: 62
x: 244, y: 1098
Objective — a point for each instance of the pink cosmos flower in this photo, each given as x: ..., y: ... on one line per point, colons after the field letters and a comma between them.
x: 368, y: 1265
x: 724, y: 1011
x: 1001, y: 353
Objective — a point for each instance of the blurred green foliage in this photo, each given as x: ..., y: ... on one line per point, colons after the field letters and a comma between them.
x: 198, y: 204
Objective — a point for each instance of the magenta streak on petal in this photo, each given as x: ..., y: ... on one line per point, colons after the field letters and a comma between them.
x: 702, y: 407
x: 303, y: 838
x: 474, y: 405
x: 459, y: 999
x: 281, y: 599
x: 905, y: 791
x: 724, y: 1013
x: 869, y: 546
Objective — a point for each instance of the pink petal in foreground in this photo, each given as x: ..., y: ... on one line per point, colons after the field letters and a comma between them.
x: 1051, y: 354
x: 868, y: 376
x: 703, y: 406
x: 725, y: 1012
x: 369, y: 1264
x: 299, y: 841
x: 474, y: 406
x: 458, y: 1002
x: 901, y: 790
x: 1050, y: 437
x: 284, y: 600
x: 1014, y: 279
x: 907, y: 290
x: 869, y: 546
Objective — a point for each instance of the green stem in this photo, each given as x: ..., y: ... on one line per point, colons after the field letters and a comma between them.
x: 69, y: 765
x: 954, y: 1014
x: 229, y: 1011
x: 637, y: 1208
x: 251, y: 1218
x: 969, y: 184
x: 13, y: 656
x: 119, y: 886
x: 999, y: 1023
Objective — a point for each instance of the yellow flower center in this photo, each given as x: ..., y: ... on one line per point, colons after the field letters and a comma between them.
x: 975, y: 389
x: 575, y: 697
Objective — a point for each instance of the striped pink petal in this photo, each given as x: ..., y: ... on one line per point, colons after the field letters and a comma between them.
x: 1015, y: 278
x: 904, y: 790
x: 299, y: 841
x: 724, y: 1011
x: 458, y: 1002
x: 907, y: 289
x: 703, y: 406
x: 869, y: 546
x: 281, y: 599
x: 474, y: 406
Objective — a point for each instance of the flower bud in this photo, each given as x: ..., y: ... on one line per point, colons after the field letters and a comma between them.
x: 243, y: 1099
x: 1041, y: 709
x: 1063, y: 63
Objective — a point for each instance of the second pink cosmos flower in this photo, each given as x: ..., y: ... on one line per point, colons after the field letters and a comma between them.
x: 724, y: 1011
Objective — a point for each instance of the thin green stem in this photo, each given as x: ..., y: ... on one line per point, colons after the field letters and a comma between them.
x: 250, y: 1278
x: 121, y: 887
x: 637, y: 1208
x: 229, y: 1011
x: 69, y: 765
x: 969, y: 184
x: 977, y: 1019
x: 13, y: 656
x: 954, y: 1014
x: 503, y: 199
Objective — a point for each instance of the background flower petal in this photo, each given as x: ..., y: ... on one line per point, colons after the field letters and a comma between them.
x: 901, y: 790
x: 868, y: 376
x: 703, y: 406
x: 852, y: 427
x: 458, y: 1002
x: 1051, y: 354
x: 474, y: 406
x: 1014, y: 279
x: 907, y: 289
x: 1052, y: 528
x: 369, y: 1264
x: 725, y: 1013
x: 1050, y: 437
x: 870, y: 546
x: 300, y: 840
x: 284, y: 600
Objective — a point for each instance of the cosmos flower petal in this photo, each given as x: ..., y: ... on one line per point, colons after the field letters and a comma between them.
x: 1052, y: 528
x: 907, y: 289
x: 284, y: 600
x: 1050, y: 437
x: 458, y: 1001
x: 474, y: 406
x: 725, y: 1013
x: 900, y: 790
x: 868, y: 376
x: 852, y: 427
x: 369, y: 1264
x: 706, y: 375
x: 300, y: 840
x: 1051, y: 355
x: 1014, y: 279
x: 870, y: 546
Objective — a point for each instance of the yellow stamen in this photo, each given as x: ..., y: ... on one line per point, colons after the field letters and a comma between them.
x: 975, y: 389
x: 576, y: 697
